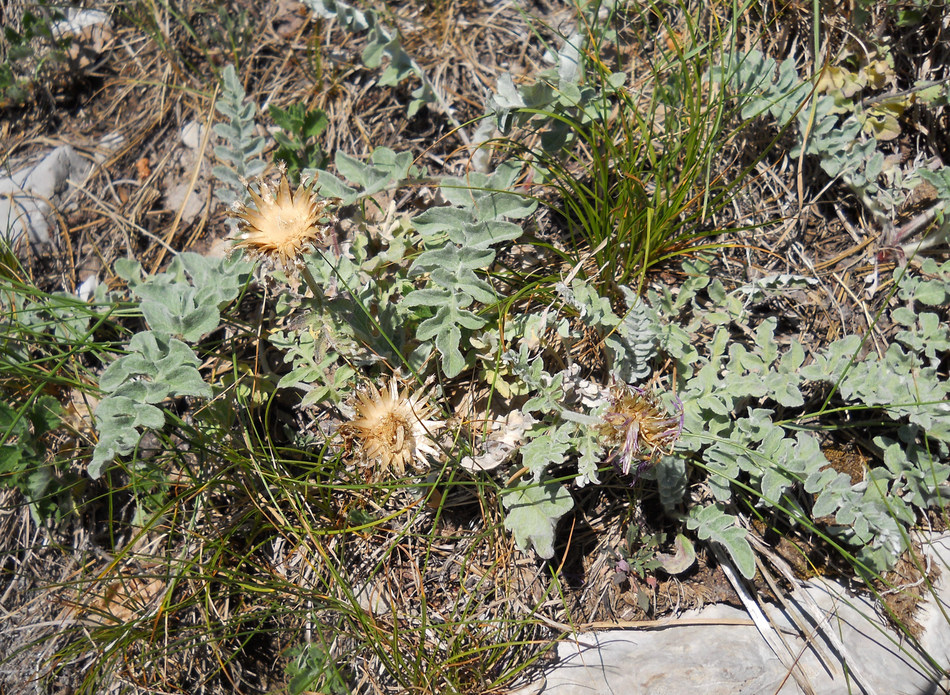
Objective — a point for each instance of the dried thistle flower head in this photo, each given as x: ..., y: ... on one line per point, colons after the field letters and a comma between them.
x: 636, y: 424
x: 281, y: 225
x: 392, y: 428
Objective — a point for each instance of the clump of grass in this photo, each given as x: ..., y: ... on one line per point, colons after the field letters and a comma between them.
x: 642, y: 174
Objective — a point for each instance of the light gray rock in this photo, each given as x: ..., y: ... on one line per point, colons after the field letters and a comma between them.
x: 28, y: 196
x: 733, y: 659
x: 191, y: 134
x: 78, y: 19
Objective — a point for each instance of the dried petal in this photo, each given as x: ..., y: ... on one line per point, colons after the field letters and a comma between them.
x: 392, y: 429
x: 281, y: 225
x: 637, y: 425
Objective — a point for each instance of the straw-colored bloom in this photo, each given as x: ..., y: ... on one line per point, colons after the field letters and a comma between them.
x: 635, y: 423
x: 392, y: 428
x: 281, y: 225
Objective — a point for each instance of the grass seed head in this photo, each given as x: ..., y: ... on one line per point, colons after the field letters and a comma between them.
x: 392, y: 429
x: 280, y: 225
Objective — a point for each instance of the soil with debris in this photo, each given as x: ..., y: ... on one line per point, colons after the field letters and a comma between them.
x: 66, y: 592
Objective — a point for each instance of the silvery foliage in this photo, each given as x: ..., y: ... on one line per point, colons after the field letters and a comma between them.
x: 830, y: 130
x: 443, y: 289
x: 743, y: 401
x: 556, y: 100
x: 563, y: 435
x: 238, y: 155
x: 630, y: 340
x: 459, y: 241
x: 180, y: 306
x: 383, y: 40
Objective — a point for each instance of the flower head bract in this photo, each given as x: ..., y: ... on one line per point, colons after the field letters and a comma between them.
x: 391, y: 429
x: 638, y: 427
x: 281, y: 225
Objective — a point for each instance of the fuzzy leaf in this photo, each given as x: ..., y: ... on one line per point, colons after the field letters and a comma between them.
x: 712, y: 523
x: 547, y: 449
x: 445, y: 325
x: 533, y: 513
x: 168, y: 364
x: 118, y: 419
x: 589, y: 456
x: 670, y: 474
x: 681, y: 559
x: 331, y: 186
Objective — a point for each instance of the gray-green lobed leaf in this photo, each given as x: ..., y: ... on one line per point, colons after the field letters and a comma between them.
x: 533, y: 511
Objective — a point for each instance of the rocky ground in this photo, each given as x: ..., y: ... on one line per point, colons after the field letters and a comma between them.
x: 131, y: 103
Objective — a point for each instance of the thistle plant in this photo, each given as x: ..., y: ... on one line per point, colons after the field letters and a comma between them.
x: 282, y: 225
x: 394, y: 429
x: 636, y: 425
x: 268, y: 422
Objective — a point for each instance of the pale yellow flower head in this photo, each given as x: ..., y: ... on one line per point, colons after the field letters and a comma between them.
x: 280, y: 225
x: 392, y: 429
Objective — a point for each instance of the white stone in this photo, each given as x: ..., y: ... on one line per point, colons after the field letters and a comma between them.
x: 27, y: 197
x: 78, y: 19
x: 191, y: 134
x: 733, y: 659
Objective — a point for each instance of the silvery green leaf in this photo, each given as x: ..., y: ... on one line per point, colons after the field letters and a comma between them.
x: 118, y: 420
x: 331, y: 186
x: 506, y: 94
x: 533, y: 511
x: 568, y: 95
x: 549, y: 448
x: 440, y: 219
x: 712, y: 523
x: 539, y: 95
x: 836, y: 493
x: 350, y: 17
x: 128, y: 269
x: 569, y: 63
x: 617, y: 80
x: 499, y: 206
x: 670, y: 474
x: 590, y: 454
x: 549, y: 391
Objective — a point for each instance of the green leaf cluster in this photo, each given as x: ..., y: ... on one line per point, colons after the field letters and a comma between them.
x: 384, y: 170
x: 180, y: 306
x: 835, y: 128
x: 631, y: 340
x: 459, y: 241
x: 746, y: 404
x: 23, y: 460
x: 383, y: 41
x: 185, y: 300
x: 299, y: 128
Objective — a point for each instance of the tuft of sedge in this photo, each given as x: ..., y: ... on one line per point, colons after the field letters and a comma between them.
x: 392, y: 429
x: 279, y: 225
x: 637, y: 426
